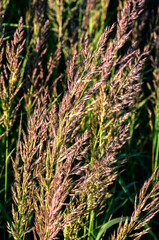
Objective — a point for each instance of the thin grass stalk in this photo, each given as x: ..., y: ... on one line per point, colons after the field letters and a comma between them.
x: 80, y: 23
x: 91, y: 225
x: 155, y: 149
x: 6, y: 178
x: 156, y: 139
x: 98, y: 139
x: 6, y: 167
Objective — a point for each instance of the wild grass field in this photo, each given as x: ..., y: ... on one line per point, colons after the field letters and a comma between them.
x: 79, y: 119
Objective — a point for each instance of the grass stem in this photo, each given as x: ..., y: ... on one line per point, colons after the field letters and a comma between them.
x: 6, y: 167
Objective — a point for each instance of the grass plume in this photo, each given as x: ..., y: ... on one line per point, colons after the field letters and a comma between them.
x: 75, y: 104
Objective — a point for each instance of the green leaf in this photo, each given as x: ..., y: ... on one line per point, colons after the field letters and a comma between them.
x: 107, y: 225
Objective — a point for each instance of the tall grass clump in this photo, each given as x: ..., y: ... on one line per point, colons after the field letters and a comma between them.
x: 73, y: 121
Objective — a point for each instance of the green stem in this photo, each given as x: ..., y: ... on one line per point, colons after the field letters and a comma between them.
x: 6, y: 180
x: 6, y: 168
x: 156, y: 139
x: 91, y: 225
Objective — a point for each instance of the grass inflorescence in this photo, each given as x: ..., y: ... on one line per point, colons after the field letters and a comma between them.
x: 72, y: 102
